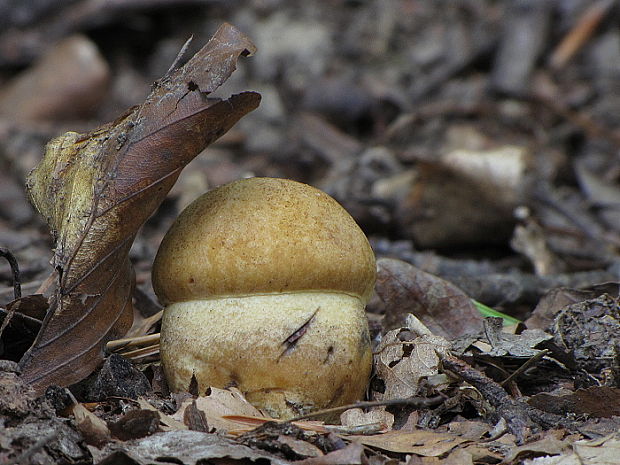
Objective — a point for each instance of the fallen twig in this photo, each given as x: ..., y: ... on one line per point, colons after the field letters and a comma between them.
x: 525, y: 366
x: 130, y: 342
x: 418, y: 402
x: 579, y: 35
x: 513, y: 411
x: 17, y: 285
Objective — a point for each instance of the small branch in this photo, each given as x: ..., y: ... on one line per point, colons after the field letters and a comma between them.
x: 577, y: 37
x: 514, y: 412
x: 130, y: 342
x: 525, y: 366
x: 17, y: 285
x: 418, y: 402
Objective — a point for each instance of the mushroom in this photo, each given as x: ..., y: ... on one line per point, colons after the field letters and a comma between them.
x: 265, y: 282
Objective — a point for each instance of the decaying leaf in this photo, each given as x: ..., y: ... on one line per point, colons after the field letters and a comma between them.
x: 595, y: 401
x: 219, y: 404
x: 494, y: 342
x: 557, y: 299
x: 591, y: 331
x: 93, y: 428
x: 353, y: 454
x: 421, y: 442
x: 135, y: 424
x: 402, y: 361
x: 440, y: 305
x: 357, y: 417
x: 551, y: 443
x: 599, y: 450
x: 186, y: 447
x: 167, y: 422
x: 95, y: 190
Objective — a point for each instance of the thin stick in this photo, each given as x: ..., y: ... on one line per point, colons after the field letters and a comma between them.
x: 582, y: 31
x: 419, y: 402
x: 131, y: 342
x: 525, y: 366
x: 143, y: 352
x: 17, y: 285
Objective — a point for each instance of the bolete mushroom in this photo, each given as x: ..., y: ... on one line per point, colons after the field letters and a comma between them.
x: 265, y: 282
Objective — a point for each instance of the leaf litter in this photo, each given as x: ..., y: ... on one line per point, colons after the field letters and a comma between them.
x: 539, y: 395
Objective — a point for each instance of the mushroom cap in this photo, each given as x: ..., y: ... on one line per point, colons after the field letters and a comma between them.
x: 263, y: 236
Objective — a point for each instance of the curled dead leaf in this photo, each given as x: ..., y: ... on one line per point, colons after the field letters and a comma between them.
x: 440, y: 305
x: 96, y: 190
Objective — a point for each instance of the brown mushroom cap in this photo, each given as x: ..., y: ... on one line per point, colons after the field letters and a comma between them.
x: 263, y: 236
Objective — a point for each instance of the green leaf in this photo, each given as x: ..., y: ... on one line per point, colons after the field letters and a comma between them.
x: 488, y: 311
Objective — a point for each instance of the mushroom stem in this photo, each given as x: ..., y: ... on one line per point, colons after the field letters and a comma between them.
x: 276, y: 348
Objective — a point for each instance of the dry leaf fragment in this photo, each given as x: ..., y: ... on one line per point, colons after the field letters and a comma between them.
x: 421, y: 442
x: 550, y: 443
x: 186, y: 447
x: 93, y: 428
x: 219, y: 404
x: 195, y: 419
x: 136, y: 424
x: 299, y: 446
x: 96, y: 190
x: 598, y: 451
x: 402, y: 362
x: 169, y: 423
x: 357, y: 417
x: 494, y: 341
x: 440, y: 305
x: 350, y: 455
x: 595, y: 401
x: 458, y: 457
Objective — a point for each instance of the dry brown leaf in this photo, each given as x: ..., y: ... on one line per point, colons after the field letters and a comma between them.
x: 135, y: 424
x: 169, y: 423
x: 357, y: 417
x: 556, y: 299
x: 550, y: 443
x: 350, y: 455
x: 300, y: 447
x: 469, y: 429
x: 402, y: 365
x: 484, y: 452
x: 422, y: 442
x: 93, y: 428
x: 142, y: 325
x: 440, y: 305
x: 458, y: 457
x: 96, y: 190
x: 185, y: 447
x: 195, y: 419
x: 595, y: 401
x: 219, y: 404
x: 598, y: 451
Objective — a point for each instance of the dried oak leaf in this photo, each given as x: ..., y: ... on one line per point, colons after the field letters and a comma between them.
x: 97, y: 189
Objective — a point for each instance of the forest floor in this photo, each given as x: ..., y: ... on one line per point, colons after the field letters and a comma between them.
x: 475, y: 142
